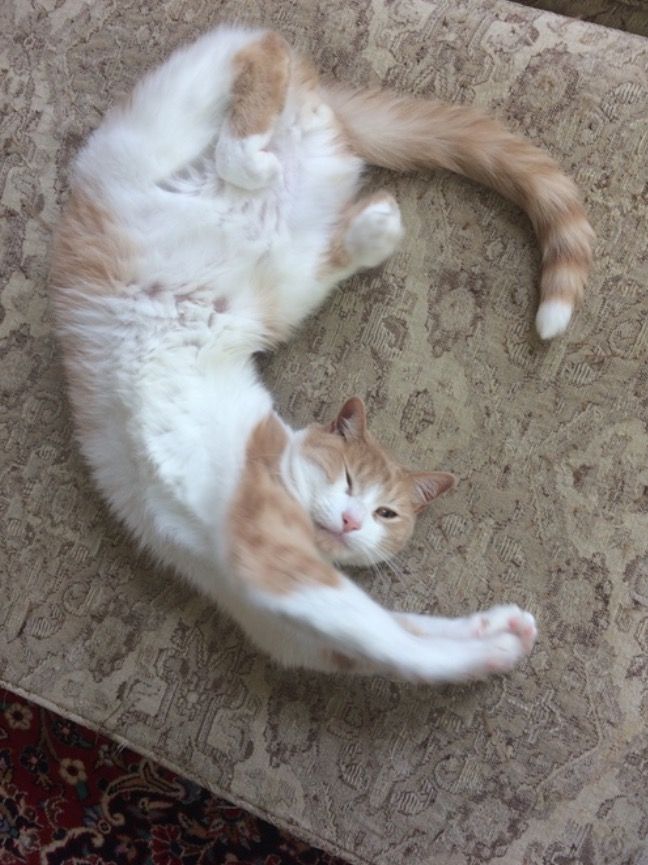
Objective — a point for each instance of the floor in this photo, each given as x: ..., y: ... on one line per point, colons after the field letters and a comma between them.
x: 69, y: 796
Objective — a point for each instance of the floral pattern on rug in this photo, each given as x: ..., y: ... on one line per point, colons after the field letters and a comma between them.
x: 69, y: 796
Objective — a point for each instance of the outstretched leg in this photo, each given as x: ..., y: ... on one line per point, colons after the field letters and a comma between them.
x: 339, y: 628
x: 261, y: 75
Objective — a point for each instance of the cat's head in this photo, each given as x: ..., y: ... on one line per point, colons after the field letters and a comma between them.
x: 363, y: 503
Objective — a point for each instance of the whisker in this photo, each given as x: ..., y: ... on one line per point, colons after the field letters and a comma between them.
x: 395, y: 570
x: 390, y: 561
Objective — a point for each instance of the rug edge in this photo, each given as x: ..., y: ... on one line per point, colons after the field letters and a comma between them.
x: 298, y: 831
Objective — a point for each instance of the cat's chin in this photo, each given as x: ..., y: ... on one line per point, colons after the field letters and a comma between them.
x: 337, y: 548
x: 331, y: 543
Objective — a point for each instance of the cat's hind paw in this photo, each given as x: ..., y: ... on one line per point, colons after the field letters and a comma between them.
x: 315, y: 115
x: 244, y: 163
x: 375, y: 232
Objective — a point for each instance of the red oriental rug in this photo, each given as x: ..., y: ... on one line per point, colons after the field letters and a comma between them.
x: 69, y: 796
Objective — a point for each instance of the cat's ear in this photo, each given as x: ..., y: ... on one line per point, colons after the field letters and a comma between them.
x: 427, y: 486
x: 351, y: 422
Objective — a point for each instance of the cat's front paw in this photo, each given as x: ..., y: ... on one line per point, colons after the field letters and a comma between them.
x: 503, y: 652
x: 244, y: 163
x: 375, y: 232
x: 507, y: 618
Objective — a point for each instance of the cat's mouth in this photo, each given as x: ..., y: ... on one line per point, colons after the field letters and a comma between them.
x: 324, y: 531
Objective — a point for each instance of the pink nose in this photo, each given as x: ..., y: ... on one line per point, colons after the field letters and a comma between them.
x: 350, y: 523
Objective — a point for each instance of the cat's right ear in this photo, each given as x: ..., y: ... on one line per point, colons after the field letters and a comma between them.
x: 427, y: 486
x: 351, y: 422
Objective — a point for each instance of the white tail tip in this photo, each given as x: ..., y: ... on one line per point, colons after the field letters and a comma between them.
x: 553, y: 317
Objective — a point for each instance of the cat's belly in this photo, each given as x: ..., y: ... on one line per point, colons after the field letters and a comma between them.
x: 202, y: 228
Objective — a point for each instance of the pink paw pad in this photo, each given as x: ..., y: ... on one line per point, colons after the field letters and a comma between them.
x: 524, y: 627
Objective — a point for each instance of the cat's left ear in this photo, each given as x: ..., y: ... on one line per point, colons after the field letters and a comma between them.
x: 351, y: 422
x: 427, y: 486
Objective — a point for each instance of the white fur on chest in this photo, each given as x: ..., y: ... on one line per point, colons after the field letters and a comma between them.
x: 169, y: 442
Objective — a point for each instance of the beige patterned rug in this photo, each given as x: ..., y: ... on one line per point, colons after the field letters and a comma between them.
x: 548, y: 765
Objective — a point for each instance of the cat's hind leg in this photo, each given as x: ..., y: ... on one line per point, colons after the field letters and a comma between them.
x: 368, y: 232
x: 261, y: 75
x: 365, y: 233
x: 173, y: 114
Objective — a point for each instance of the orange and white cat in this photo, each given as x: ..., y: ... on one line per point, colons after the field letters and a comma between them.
x: 209, y: 215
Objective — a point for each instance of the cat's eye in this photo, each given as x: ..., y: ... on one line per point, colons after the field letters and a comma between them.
x: 385, y: 513
x: 348, y: 481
